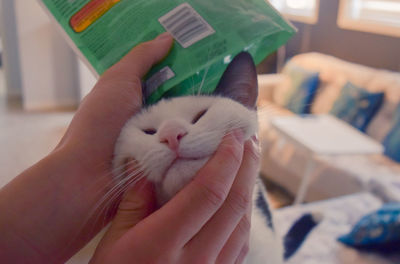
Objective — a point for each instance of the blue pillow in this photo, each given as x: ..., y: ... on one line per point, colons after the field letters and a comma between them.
x: 303, y: 90
x: 357, y: 106
x: 381, y: 228
x: 392, y: 140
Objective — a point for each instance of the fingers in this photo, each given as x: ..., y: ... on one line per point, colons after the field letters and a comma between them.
x: 191, y: 208
x: 180, y: 228
x: 238, y: 242
x: 242, y: 254
x: 230, y: 221
x: 138, y: 202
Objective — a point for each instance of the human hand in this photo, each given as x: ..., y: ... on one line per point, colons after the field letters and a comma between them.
x: 47, y: 211
x: 208, y: 221
x: 116, y: 97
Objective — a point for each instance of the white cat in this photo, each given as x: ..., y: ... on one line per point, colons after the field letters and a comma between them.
x: 173, y: 139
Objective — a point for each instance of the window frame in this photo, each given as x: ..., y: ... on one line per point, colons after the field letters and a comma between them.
x: 345, y: 21
x: 313, y: 19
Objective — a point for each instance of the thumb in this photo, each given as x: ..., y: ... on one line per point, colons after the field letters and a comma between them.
x: 138, y: 203
x: 117, y: 95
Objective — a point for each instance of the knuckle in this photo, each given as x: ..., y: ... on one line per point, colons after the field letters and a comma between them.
x: 214, y: 193
x: 244, y: 226
x: 245, y: 249
x: 165, y: 257
x: 203, y: 259
x: 135, y: 82
x: 243, y: 253
x: 253, y: 151
x: 144, y: 45
x: 233, y: 151
x: 239, y: 201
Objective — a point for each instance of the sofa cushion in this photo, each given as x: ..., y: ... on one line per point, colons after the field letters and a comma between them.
x: 267, y: 109
x: 334, y: 73
x: 304, y: 85
x: 386, y: 188
x: 339, y: 215
x: 327, y: 94
x: 357, y: 106
x: 392, y: 140
x: 383, y: 121
x: 377, y: 229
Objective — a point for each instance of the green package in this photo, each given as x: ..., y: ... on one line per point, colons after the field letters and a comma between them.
x: 209, y: 33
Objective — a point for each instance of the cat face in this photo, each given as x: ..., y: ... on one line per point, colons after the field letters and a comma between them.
x: 173, y: 139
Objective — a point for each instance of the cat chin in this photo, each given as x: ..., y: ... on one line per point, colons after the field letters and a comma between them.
x: 178, y: 175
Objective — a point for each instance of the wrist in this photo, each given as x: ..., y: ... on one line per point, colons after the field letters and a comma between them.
x: 46, y: 210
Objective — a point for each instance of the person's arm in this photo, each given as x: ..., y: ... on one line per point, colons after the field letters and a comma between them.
x: 42, y: 211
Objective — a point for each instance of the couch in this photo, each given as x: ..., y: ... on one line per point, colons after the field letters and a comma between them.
x: 332, y: 176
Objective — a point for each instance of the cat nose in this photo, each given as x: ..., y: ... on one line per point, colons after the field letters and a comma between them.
x: 171, y: 134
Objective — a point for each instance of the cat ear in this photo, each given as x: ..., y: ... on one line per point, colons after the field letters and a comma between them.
x: 239, y: 81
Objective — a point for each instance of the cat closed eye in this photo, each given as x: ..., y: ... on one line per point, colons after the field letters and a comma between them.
x: 150, y: 131
x: 198, y: 116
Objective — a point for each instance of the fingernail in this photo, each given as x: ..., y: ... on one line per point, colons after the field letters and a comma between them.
x: 255, y: 139
x: 256, y: 145
x: 239, y: 135
x: 164, y: 36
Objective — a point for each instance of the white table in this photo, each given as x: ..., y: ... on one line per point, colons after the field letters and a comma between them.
x: 322, y: 135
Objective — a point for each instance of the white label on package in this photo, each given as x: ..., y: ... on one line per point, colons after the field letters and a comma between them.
x: 186, y: 25
x: 158, y: 79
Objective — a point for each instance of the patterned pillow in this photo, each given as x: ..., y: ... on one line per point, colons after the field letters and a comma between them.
x: 357, y: 106
x: 381, y: 228
x: 392, y: 140
x: 304, y: 85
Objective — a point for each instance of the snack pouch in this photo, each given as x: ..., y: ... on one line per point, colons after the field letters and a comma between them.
x: 208, y: 34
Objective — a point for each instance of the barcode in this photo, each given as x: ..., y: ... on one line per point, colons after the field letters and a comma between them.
x: 186, y: 25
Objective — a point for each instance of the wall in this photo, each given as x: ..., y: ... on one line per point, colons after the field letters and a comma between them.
x: 370, y: 49
x: 10, y: 55
x: 49, y: 68
x: 87, y: 79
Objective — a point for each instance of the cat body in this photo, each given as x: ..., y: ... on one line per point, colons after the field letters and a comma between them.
x: 171, y: 169
x: 173, y: 139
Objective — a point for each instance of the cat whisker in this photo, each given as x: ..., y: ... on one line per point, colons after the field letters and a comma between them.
x: 112, y: 176
x: 202, y: 81
x: 112, y: 196
x: 111, y: 191
x: 149, y: 157
x: 130, y: 164
x: 123, y: 177
x: 206, y: 72
x: 191, y: 70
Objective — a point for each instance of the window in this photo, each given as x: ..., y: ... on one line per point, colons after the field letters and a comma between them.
x: 305, y: 11
x: 376, y: 16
